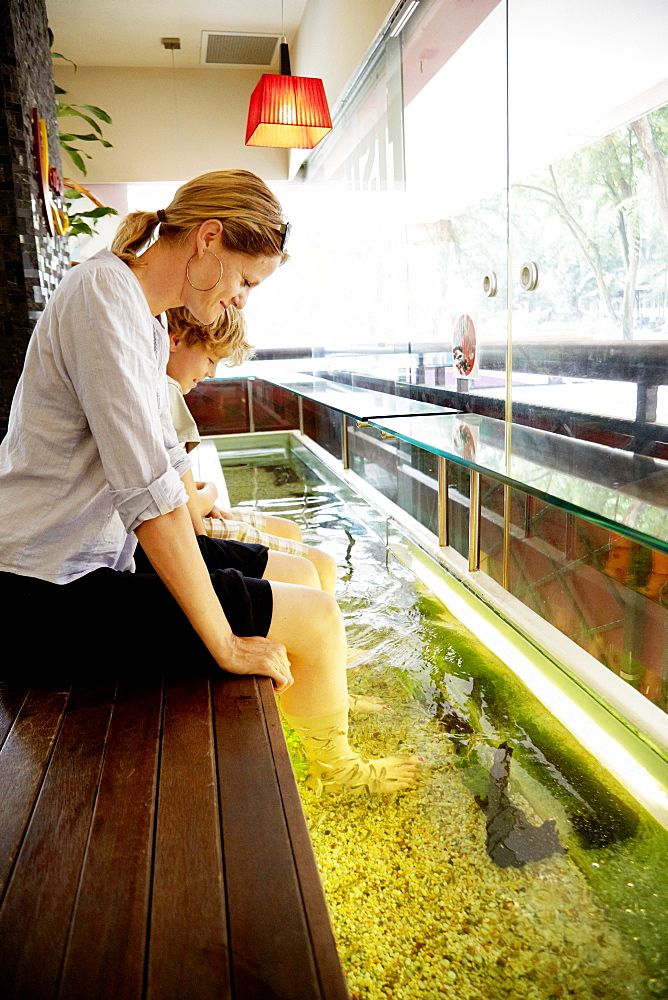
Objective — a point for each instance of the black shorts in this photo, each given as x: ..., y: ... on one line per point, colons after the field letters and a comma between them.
x: 221, y: 553
x: 126, y: 622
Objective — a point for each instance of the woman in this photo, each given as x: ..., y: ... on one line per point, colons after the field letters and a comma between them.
x: 90, y: 464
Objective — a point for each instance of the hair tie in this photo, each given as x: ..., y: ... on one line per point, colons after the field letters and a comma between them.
x: 162, y: 215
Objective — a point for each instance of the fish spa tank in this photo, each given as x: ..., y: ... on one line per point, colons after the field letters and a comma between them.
x: 531, y: 858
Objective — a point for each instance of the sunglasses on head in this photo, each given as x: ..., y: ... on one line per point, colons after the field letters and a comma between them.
x: 285, y: 232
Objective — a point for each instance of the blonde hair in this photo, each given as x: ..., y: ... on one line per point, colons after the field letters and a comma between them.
x: 228, y: 333
x: 251, y: 215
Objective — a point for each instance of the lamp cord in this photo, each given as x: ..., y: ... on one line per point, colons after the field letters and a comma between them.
x: 176, y: 118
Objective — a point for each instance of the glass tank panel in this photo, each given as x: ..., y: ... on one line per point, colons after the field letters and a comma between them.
x: 588, y: 139
x: 625, y: 492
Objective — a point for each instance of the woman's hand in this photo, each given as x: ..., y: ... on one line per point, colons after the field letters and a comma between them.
x: 255, y: 655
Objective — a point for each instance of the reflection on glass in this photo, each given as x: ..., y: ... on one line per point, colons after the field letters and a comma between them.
x: 356, y: 402
x: 374, y: 459
x: 459, y: 499
x: 323, y: 426
x: 606, y: 592
x: 220, y: 406
x: 417, y: 485
x: 491, y: 528
x: 588, y: 142
x: 623, y: 491
x: 455, y: 133
x: 274, y: 409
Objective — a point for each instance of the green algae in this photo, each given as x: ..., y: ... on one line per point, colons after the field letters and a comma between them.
x: 621, y: 850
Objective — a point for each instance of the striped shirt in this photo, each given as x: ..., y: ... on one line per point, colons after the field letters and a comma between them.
x: 91, y: 451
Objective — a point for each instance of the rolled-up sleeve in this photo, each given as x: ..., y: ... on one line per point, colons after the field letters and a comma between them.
x: 106, y: 347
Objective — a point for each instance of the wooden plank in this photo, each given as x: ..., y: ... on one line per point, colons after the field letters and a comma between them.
x: 11, y: 699
x: 269, y: 940
x: 23, y: 760
x: 188, y: 955
x: 105, y: 953
x: 330, y: 973
x: 37, y: 907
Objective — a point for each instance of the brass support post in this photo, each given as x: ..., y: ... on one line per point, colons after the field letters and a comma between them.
x: 443, y: 538
x: 249, y: 397
x: 505, y: 569
x: 344, y: 442
x: 300, y: 405
x: 474, y: 522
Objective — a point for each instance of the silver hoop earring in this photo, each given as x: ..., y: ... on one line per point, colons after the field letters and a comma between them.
x: 220, y: 273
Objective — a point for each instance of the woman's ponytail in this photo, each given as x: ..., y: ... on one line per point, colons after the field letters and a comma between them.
x: 134, y: 231
x: 249, y: 211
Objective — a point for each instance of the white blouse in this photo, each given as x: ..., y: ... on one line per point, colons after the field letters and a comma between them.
x: 91, y: 450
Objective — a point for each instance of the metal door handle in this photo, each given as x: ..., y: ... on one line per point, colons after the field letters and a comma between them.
x: 529, y: 276
x: 490, y: 285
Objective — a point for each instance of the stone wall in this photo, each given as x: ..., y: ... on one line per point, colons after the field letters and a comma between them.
x: 31, y: 261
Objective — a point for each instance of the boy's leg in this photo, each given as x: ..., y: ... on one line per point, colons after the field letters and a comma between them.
x: 244, y: 531
x: 283, y: 527
x: 285, y: 568
x: 325, y: 568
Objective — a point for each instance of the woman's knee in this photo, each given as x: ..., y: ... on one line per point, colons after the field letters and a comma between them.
x: 305, y: 614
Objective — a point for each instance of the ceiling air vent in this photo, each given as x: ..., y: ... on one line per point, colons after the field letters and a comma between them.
x: 227, y: 48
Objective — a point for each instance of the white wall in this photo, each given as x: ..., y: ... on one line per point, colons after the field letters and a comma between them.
x: 332, y: 40
x: 333, y: 37
x: 166, y: 126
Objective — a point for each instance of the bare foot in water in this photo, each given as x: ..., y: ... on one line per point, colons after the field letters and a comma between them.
x: 360, y: 704
x: 357, y: 775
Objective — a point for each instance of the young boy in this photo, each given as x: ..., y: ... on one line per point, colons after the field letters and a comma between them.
x: 194, y: 353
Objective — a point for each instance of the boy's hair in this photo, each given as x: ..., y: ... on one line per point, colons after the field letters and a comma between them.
x: 227, y: 334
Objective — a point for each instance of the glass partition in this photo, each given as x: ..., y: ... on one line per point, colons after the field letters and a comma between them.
x: 486, y: 228
x: 613, y: 488
x: 454, y: 66
x: 588, y: 139
x: 352, y: 266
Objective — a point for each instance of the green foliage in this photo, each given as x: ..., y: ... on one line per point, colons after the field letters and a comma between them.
x: 67, y: 138
x: 595, y: 216
x: 81, y: 223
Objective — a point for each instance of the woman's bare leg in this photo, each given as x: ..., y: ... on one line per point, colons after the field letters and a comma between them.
x: 308, y: 623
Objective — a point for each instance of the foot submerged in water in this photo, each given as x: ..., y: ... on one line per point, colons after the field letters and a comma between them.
x: 381, y: 776
x: 355, y: 774
x: 336, y: 766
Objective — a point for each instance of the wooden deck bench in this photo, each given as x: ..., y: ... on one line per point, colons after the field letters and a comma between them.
x: 153, y: 845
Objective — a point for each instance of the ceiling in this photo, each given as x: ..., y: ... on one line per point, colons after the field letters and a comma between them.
x: 128, y: 32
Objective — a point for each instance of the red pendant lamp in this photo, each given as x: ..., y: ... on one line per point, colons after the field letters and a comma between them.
x: 286, y: 111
